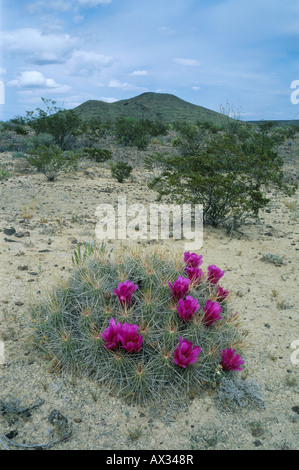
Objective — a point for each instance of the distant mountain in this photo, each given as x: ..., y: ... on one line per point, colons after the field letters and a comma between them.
x: 154, y: 106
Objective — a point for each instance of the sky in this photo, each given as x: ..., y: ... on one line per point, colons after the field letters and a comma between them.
x: 239, y: 55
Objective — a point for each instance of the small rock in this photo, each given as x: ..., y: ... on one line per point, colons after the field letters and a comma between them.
x: 19, y: 303
x: 57, y: 419
x: 257, y: 432
x: 9, y: 231
x: 257, y: 443
x: 78, y: 420
x: 11, y: 434
x: 23, y: 267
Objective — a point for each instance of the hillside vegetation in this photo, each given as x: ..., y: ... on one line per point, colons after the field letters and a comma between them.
x: 153, y: 106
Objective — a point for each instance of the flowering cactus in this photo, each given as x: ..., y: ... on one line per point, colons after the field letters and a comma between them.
x: 187, y: 308
x: 221, y: 294
x: 185, y: 353
x: 214, y: 274
x: 111, y: 335
x: 230, y: 360
x: 125, y: 292
x: 161, y: 346
x: 192, y: 260
x: 195, y: 275
x: 212, y: 312
x: 130, y: 339
x: 180, y: 287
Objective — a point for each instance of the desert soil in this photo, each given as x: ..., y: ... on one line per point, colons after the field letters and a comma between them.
x: 49, y: 219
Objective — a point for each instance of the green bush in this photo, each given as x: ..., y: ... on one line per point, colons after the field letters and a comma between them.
x: 52, y: 160
x: 121, y: 171
x: 39, y: 140
x: 70, y: 325
x: 97, y: 154
x: 4, y: 174
x: 138, y: 133
x: 227, y: 174
x: 63, y: 125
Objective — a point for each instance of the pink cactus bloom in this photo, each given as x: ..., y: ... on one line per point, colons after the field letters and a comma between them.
x: 180, y: 287
x: 112, y: 335
x: 187, y: 308
x: 214, y: 274
x: 221, y: 294
x: 130, y: 340
x: 194, y: 274
x: 212, y: 312
x: 192, y: 260
x: 230, y: 360
x: 185, y: 353
x: 125, y: 292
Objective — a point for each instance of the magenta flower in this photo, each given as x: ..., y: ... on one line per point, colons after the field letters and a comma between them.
x: 194, y: 274
x: 221, y: 294
x: 192, y: 260
x: 230, y: 360
x: 180, y: 287
x: 212, y: 312
x: 185, y: 353
x: 130, y: 340
x: 112, y: 335
x: 214, y: 274
x: 125, y: 292
x: 187, y: 308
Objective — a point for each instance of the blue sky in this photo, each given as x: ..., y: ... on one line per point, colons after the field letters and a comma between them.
x: 207, y: 52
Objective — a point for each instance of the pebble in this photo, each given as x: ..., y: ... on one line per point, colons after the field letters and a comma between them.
x: 23, y: 267
x: 9, y: 231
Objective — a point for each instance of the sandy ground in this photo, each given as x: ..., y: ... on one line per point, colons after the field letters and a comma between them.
x: 49, y: 218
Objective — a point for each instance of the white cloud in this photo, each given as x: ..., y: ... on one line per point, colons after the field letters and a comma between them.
x: 35, y: 79
x: 41, y: 5
x: 84, y: 63
x: 93, y: 3
x: 195, y: 88
x: 108, y: 100
x: 166, y: 31
x: 125, y: 86
x: 31, y: 43
x: 139, y: 73
x: 187, y: 62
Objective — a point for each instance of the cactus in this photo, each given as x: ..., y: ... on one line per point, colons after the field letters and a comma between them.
x: 136, y: 324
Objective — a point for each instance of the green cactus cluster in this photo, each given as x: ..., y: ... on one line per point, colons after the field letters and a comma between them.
x: 68, y: 326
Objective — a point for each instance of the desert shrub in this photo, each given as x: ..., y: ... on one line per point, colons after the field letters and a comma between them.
x: 52, y: 160
x: 138, y: 133
x: 3, y: 174
x: 39, y: 140
x: 121, y: 171
x: 235, y: 393
x: 147, y: 327
x: 63, y: 125
x: 226, y: 174
x: 97, y: 154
